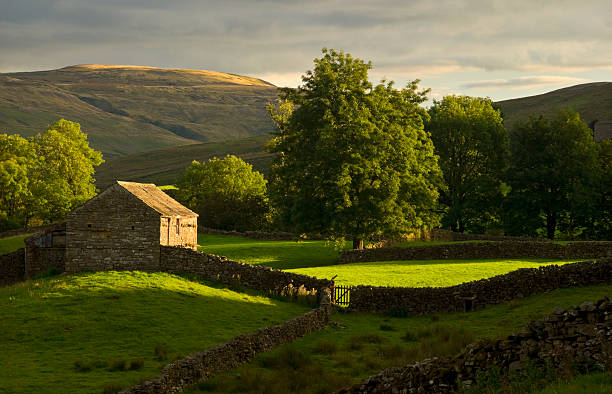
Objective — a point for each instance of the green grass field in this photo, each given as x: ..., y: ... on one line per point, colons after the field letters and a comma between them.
x: 274, y: 254
x: 11, y: 244
x: 317, y: 258
x: 78, y: 333
x: 420, y: 273
x: 362, y: 344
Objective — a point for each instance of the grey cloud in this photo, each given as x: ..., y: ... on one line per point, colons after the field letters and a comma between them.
x: 250, y: 37
x: 523, y: 82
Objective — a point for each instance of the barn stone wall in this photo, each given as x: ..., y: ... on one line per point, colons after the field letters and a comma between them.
x: 46, y: 250
x: 483, y: 250
x: 567, y: 340
x: 185, y: 234
x: 481, y: 293
x: 12, y: 267
x: 113, y: 231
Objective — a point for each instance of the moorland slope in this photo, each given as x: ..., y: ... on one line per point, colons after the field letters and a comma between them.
x: 129, y: 109
x: 593, y: 101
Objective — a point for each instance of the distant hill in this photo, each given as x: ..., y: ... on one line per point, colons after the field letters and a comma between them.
x: 164, y: 166
x: 593, y: 101
x: 129, y: 109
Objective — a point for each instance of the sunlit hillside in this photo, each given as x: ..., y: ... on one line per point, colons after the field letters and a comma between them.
x: 128, y: 109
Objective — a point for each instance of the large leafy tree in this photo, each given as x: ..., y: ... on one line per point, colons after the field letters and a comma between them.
x: 353, y: 158
x: 17, y: 167
x: 47, y: 175
x: 553, y: 173
x: 470, y: 138
x: 226, y: 193
x: 64, y: 175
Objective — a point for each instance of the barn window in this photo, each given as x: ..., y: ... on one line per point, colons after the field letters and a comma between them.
x: 178, y: 226
x: 89, y: 226
x: 132, y: 227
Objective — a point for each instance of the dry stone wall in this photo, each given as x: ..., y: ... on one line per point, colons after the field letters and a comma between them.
x: 566, y: 340
x: 46, y: 250
x: 483, y: 250
x: 481, y: 293
x: 12, y: 267
x: 221, y: 269
x: 201, y: 366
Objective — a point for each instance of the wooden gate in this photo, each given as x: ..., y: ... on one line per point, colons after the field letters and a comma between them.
x: 342, y: 295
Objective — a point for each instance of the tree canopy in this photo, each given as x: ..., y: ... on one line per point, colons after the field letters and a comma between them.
x: 554, y: 171
x: 226, y: 193
x: 470, y: 138
x: 353, y: 158
x: 47, y: 175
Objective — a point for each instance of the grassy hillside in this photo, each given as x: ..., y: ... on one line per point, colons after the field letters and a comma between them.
x: 80, y: 333
x: 164, y: 166
x: 362, y: 344
x: 127, y: 109
x: 593, y: 101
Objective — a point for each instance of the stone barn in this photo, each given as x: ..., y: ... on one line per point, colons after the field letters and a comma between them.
x: 123, y: 227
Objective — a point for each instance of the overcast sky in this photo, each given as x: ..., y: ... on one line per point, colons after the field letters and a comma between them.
x: 501, y: 49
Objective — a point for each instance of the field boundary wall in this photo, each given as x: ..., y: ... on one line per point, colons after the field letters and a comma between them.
x: 239, y: 350
x: 483, y: 250
x: 481, y: 293
x: 567, y: 340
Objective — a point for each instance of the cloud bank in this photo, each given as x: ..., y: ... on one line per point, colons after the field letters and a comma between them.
x: 279, y: 39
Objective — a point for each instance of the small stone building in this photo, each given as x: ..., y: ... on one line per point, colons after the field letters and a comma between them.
x: 123, y: 227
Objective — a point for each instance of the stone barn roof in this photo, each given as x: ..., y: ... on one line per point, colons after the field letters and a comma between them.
x: 156, y: 199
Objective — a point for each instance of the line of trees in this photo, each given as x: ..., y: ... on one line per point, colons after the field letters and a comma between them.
x: 44, y: 177
x: 359, y: 160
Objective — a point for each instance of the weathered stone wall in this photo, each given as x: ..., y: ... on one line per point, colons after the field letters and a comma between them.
x: 239, y: 350
x: 113, y: 231
x: 566, y: 340
x: 483, y: 250
x: 185, y: 234
x: 46, y: 250
x: 218, y: 268
x: 12, y: 267
x: 442, y: 235
x: 481, y: 293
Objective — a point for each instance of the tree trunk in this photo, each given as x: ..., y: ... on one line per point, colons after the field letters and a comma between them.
x: 358, y: 243
x: 551, y: 225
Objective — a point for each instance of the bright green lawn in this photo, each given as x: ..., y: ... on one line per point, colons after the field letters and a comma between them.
x: 420, y: 273
x: 275, y: 254
x: 363, y: 344
x: 106, y: 318
x: 10, y: 244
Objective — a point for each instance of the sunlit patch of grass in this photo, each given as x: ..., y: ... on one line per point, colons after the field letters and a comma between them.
x: 10, y: 244
x: 421, y: 273
x: 274, y: 254
x: 79, y: 333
